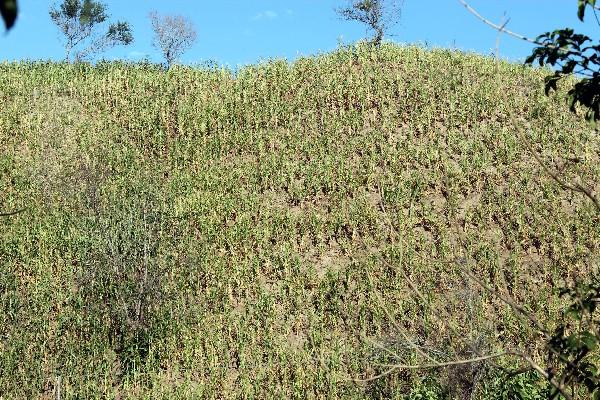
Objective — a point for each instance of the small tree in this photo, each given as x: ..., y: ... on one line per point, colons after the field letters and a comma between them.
x: 173, y: 35
x: 378, y: 15
x: 79, y: 21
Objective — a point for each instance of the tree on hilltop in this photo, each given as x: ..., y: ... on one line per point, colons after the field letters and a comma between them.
x: 378, y: 15
x: 80, y: 21
x: 173, y: 35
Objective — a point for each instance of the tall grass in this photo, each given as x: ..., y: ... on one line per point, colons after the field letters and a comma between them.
x: 203, y: 233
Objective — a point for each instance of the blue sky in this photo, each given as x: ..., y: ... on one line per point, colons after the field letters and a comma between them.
x: 235, y: 32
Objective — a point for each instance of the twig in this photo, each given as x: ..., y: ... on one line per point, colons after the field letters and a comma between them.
x: 560, y: 387
x: 393, y: 367
x: 383, y: 348
x: 596, y: 15
x: 8, y: 214
x: 519, y: 371
x: 500, y: 28
x: 374, y: 378
x: 506, y: 21
x: 508, y: 301
x: 399, y: 328
x: 577, y: 188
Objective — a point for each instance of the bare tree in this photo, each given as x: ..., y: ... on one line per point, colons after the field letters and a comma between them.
x: 79, y: 21
x: 173, y: 35
x: 378, y: 15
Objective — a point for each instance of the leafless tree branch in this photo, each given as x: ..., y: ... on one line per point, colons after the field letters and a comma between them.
x: 394, y: 367
x: 577, y: 187
x: 500, y: 28
x: 173, y: 35
x: 559, y: 386
x: 8, y: 214
x: 398, y: 328
x: 508, y: 301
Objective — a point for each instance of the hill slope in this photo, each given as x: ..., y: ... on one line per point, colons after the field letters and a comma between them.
x: 199, y: 233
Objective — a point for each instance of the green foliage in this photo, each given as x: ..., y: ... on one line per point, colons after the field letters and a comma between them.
x: 378, y: 15
x: 9, y: 12
x: 428, y: 389
x: 582, y: 5
x: 87, y: 13
x: 572, y: 357
x: 524, y: 386
x: 92, y: 12
x: 568, y: 50
x: 79, y: 22
x: 120, y: 33
x: 572, y: 53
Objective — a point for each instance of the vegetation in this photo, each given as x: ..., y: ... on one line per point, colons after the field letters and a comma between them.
x: 378, y: 15
x: 204, y: 233
x: 572, y: 53
x: 79, y: 22
x: 570, y: 367
x: 173, y: 35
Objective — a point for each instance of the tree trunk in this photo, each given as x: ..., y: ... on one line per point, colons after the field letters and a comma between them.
x: 378, y: 37
x: 68, y: 49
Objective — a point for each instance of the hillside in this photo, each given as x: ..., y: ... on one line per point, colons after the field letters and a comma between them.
x: 275, y: 232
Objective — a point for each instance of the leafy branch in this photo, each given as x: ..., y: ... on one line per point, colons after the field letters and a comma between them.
x: 79, y: 21
x: 570, y: 53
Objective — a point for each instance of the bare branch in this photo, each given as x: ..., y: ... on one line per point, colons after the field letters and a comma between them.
x: 500, y: 28
x: 173, y: 35
x: 8, y: 214
x: 596, y: 16
x: 398, y: 328
x: 383, y: 348
x: 505, y: 300
x: 394, y: 367
x: 576, y: 187
x: 504, y: 23
x: 560, y: 387
x: 374, y: 378
x: 451, y: 363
